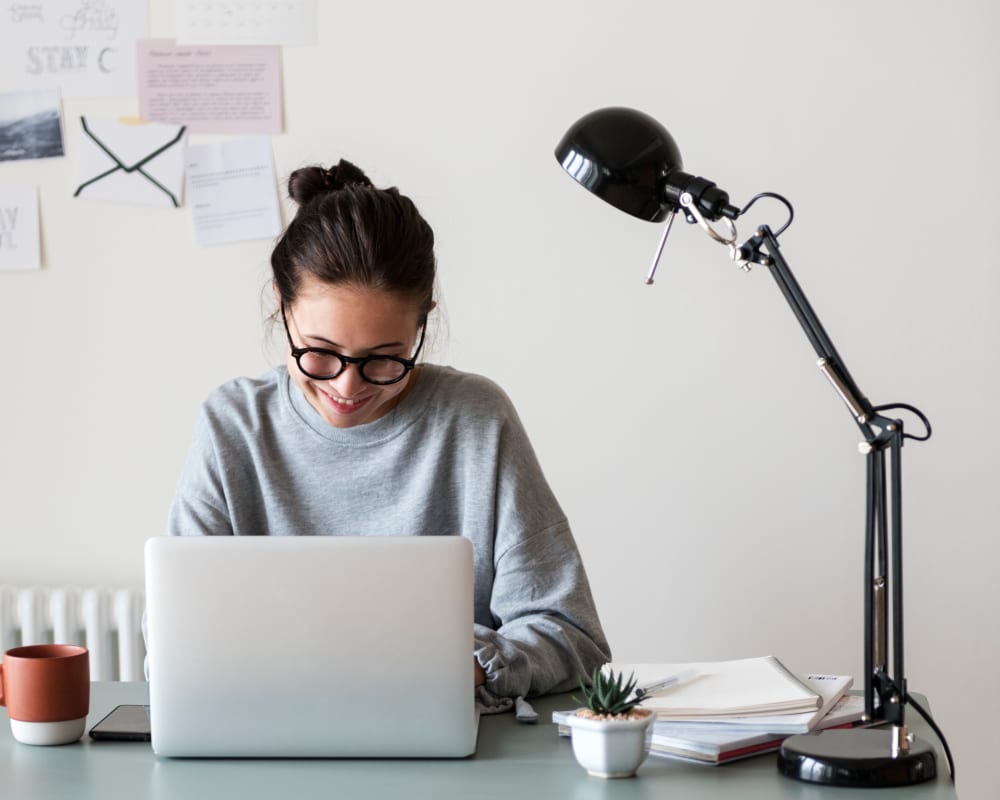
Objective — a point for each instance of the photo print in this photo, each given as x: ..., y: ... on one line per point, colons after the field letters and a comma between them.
x: 30, y: 125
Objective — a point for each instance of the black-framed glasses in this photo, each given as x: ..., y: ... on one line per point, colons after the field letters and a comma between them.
x: 321, y: 364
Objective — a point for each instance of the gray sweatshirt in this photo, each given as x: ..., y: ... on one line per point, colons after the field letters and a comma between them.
x: 451, y: 459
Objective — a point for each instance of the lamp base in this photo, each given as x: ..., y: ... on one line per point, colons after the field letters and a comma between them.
x: 855, y: 757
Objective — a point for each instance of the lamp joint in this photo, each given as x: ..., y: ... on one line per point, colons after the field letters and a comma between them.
x: 900, y: 741
x: 693, y: 214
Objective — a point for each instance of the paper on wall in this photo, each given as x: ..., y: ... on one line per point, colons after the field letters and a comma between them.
x: 30, y: 125
x: 20, y: 247
x: 290, y: 22
x: 210, y: 89
x: 85, y: 48
x: 231, y: 190
x: 137, y: 164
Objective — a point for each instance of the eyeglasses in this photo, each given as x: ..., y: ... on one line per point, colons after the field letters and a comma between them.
x: 325, y: 365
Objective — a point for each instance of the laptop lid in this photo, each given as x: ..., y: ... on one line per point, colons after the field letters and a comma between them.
x: 310, y: 646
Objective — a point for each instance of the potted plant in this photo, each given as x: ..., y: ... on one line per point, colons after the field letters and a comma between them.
x: 610, y: 734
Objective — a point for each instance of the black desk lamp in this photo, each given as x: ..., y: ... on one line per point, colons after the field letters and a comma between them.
x: 629, y: 160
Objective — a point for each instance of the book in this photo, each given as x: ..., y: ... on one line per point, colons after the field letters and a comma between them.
x: 742, y: 687
x: 830, y: 688
x: 721, y: 743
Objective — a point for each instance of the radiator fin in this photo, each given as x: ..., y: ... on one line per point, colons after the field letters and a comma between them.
x: 105, y: 621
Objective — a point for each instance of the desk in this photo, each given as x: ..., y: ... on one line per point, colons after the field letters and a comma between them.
x: 512, y: 760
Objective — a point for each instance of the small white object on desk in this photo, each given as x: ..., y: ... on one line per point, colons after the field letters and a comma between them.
x: 663, y: 684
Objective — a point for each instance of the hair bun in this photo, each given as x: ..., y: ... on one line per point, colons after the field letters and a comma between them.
x: 308, y: 183
x: 346, y: 174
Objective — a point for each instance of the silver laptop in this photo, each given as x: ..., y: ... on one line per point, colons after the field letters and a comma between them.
x: 311, y: 646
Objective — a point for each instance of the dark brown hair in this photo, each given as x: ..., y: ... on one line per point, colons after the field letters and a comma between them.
x: 348, y: 232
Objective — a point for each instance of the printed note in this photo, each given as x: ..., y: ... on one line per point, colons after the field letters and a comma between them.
x: 245, y: 22
x: 231, y: 190
x: 211, y: 89
x: 19, y: 235
x: 85, y: 48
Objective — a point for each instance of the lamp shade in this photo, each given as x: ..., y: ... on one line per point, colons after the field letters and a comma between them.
x: 624, y: 157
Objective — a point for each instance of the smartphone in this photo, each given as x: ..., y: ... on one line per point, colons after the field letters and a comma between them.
x: 124, y: 724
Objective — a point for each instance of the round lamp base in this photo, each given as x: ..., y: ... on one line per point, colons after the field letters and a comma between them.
x: 855, y: 757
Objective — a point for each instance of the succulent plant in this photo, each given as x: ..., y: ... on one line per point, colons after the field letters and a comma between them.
x: 609, y: 694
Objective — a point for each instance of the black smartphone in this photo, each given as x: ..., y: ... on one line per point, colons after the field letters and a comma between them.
x: 124, y: 724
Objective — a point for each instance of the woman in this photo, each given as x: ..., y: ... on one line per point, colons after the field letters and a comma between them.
x: 353, y: 437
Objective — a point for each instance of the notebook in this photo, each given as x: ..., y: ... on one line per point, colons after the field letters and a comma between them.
x: 740, y: 687
x: 310, y: 646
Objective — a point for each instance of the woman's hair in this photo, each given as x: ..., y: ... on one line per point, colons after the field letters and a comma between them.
x: 347, y: 232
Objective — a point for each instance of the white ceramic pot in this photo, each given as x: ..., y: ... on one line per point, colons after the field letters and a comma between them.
x: 612, y: 748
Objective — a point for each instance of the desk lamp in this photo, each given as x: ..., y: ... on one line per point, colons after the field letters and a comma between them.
x: 630, y: 161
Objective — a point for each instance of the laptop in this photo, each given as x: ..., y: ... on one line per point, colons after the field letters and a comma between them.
x: 311, y: 646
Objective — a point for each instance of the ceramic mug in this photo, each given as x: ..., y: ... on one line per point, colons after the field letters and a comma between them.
x: 46, y: 688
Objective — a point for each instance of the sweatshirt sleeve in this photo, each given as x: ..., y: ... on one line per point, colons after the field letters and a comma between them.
x: 549, y: 635
x: 199, y: 505
x: 546, y: 634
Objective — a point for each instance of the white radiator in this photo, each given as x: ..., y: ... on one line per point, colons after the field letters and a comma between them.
x: 105, y: 621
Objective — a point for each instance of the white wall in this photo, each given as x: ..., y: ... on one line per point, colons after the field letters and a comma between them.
x: 710, y: 473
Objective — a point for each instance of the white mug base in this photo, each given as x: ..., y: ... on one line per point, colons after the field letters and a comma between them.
x: 46, y: 733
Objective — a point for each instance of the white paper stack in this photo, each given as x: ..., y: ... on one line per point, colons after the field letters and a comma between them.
x: 727, y: 710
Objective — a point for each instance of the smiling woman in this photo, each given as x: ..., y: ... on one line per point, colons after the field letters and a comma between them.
x: 352, y: 436
x: 376, y: 323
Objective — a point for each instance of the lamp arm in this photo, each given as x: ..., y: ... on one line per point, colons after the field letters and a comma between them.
x: 762, y: 248
x: 884, y: 694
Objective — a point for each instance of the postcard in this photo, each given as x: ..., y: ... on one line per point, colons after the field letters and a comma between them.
x: 30, y: 125
x: 130, y: 162
x: 290, y: 22
x: 231, y: 190
x: 85, y: 48
x: 211, y: 89
x: 20, y: 246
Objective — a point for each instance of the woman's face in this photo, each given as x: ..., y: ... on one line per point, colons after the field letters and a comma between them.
x: 353, y: 322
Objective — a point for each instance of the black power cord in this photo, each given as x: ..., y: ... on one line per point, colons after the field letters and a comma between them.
x: 937, y: 731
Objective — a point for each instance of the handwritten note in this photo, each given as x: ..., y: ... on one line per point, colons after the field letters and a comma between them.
x: 19, y: 238
x: 245, y: 22
x: 211, y: 89
x: 85, y: 48
x: 231, y: 190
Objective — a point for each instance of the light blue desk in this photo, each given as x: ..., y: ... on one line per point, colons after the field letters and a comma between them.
x: 512, y: 760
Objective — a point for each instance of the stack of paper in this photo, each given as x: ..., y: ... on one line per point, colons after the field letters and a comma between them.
x: 735, y: 709
x: 748, y: 686
x: 714, y: 743
x: 721, y: 743
x: 830, y: 688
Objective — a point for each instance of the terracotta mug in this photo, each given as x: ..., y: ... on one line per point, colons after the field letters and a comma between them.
x: 46, y: 688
